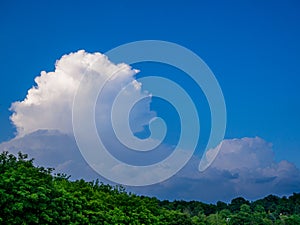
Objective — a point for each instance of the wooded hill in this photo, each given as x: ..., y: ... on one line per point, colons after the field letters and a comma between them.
x: 33, y: 195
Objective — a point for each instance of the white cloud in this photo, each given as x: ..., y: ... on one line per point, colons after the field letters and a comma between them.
x: 243, y: 167
x: 249, y: 153
x: 48, y: 105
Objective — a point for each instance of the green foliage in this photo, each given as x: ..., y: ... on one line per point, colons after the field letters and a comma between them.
x: 32, y: 195
x: 236, y: 203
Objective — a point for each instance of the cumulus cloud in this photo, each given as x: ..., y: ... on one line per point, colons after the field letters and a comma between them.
x: 48, y: 105
x: 248, y: 153
x: 243, y: 167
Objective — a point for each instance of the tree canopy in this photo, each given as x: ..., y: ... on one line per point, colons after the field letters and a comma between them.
x: 35, y: 195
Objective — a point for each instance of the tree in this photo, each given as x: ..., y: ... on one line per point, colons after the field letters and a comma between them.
x: 33, y: 195
x: 236, y: 204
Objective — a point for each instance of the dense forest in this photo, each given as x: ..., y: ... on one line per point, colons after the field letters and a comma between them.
x: 35, y: 195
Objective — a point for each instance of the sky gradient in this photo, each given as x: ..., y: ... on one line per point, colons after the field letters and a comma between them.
x: 252, y: 47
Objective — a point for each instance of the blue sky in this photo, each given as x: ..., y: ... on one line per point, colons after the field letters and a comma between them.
x: 252, y: 47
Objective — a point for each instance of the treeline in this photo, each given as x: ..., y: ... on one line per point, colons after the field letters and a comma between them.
x: 32, y: 195
x: 269, y: 210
